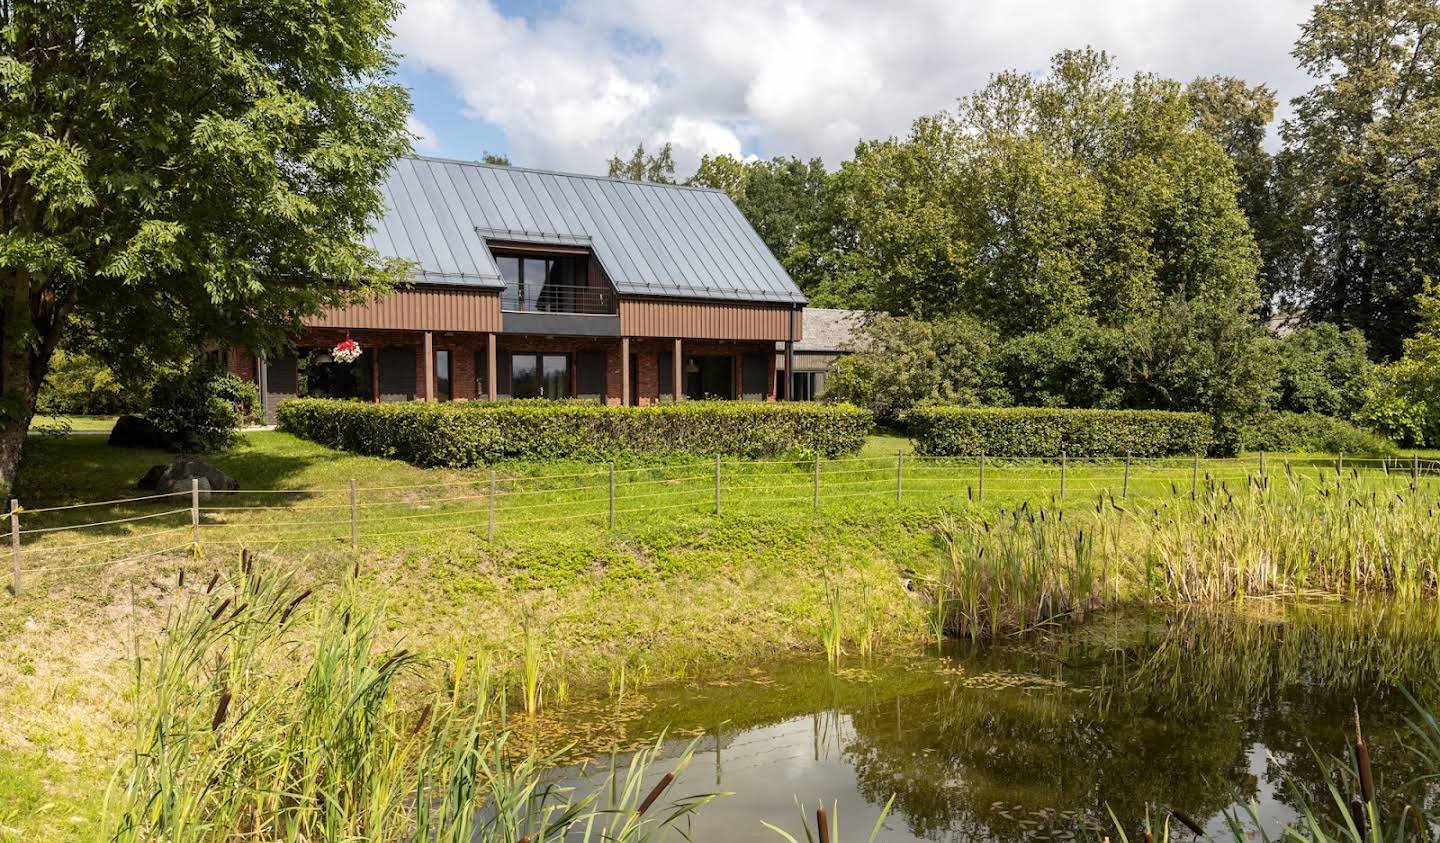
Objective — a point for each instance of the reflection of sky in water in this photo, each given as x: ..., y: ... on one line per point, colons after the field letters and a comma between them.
x: 1025, y: 741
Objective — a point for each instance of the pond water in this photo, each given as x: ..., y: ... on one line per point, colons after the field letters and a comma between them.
x: 1033, y: 738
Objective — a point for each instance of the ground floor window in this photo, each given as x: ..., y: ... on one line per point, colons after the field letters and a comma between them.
x: 444, y: 388
x: 709, y: 378
x: 539, y: 375
x: 804, y: 386
x: 320, y: 375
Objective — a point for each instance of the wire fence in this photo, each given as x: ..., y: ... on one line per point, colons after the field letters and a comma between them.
x: 100, y: 534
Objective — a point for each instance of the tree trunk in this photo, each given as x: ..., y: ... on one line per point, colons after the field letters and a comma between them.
x: 17, y: 372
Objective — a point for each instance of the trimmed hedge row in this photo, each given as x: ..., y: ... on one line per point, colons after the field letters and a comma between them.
x: 463, y: 434
x: 1311, y: 432
x: 1044, y: 432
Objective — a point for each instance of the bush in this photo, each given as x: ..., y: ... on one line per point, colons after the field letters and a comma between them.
x: 1043, y: 432
x: 1324, y: 370
x: 463, y: 434
x: 201, y: 408
x: 1311, y: 432
x: 1076, y: 363
x: 80, y: 385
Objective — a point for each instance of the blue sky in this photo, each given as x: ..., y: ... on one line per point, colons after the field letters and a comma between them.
x: 566, y: 84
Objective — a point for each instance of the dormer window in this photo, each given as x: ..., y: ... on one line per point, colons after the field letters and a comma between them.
x: 551, y: 283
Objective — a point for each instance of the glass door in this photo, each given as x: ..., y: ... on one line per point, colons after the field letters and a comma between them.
x: 555, y: 376
x: 524, y: 376
x: 540, y: 375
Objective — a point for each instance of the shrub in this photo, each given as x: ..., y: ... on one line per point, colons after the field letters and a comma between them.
x: 462, y: 434
x: 81, y: 385
x: 1043, y: 432
x: 1325, y: 370
x: 200, y: 409
x: 1310, y: 432
x: 1076, y: 363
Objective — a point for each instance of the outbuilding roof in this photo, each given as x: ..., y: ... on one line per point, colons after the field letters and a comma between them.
x: 651, y: 239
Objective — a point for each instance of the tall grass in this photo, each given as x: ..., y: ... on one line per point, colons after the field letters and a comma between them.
x: 259, y: 717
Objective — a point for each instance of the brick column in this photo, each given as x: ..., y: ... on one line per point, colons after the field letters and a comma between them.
x: 428, y: 366
x: 490, y: 366
x: 678, y: 372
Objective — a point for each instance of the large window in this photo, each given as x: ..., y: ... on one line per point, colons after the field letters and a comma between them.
x: 550, y: 284
x: 540, y: 375
x: 804, y: 386
x: 444, y: 390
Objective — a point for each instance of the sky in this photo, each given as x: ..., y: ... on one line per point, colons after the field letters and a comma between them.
x: 564, y: 85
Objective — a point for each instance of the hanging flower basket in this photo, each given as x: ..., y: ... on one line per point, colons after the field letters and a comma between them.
x: 348, y: 351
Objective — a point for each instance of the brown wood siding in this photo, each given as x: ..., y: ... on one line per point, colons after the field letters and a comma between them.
x: 426, y: 309
x: 706, y: 320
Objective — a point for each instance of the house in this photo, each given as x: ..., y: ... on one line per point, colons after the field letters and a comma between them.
x: 827, y: 335
x: 538, y: 284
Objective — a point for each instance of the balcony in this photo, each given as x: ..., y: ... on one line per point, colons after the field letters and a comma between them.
x: 572, y: 299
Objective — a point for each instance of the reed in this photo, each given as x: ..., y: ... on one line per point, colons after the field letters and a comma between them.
x: 832, y: 629
x: 532, y: 665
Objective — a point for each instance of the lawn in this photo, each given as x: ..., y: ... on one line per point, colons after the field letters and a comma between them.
x: 42, y: 425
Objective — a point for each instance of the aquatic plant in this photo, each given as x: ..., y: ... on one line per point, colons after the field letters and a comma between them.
x: 832, y: 629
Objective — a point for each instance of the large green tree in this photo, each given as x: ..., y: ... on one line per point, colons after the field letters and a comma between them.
x: 1366, y: 147
x: 175, y: 172
x: 1040, y: 198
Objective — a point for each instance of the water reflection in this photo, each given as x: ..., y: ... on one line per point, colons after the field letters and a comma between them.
x: 1033, y: 739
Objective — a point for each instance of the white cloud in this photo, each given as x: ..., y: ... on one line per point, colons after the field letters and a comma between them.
x: 803, y: 77
x: 425, y: 140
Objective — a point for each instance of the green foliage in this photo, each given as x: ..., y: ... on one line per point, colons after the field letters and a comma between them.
x: 1038, y: 432
x: 1310, y: 432
x: 905, y: 362
x: 1363, y: 145
x: 1075, y: 363
x: 174, y: 174
x: 469, y: 434
x: 1405, y: 404
x: 201, y: 408
x: 1324, y: 370
x: 81, y: 385
x: 641, y: 166
x: 1080, y: 193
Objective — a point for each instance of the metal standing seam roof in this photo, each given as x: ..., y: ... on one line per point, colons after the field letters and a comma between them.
x: 651, y: 239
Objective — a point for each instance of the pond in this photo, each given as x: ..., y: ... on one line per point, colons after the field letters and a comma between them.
x: 1034, y: 738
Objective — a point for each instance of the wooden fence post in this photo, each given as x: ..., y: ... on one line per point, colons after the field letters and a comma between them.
x: 1195, y: 477
x: 612, y: 495
x: 490, y: 502
x: 1340, y: 463
x: 1414, y: 473
x: 354, y: 515
x: 1262, y: 463
x: 1064, y: 464
x: 15, y: 540
x: 717, y: 485
x: 982, y: 476
x: 899, y: 473
x: 195, y: 515
x: 815, y: 501
x: 1125, y: 490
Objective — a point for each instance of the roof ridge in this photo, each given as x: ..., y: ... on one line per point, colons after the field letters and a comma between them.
x: 542, y: 171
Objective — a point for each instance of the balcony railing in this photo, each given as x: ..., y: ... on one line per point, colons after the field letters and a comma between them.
x: 558, y: 298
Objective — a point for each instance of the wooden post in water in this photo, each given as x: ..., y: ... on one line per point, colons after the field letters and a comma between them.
x: 899, y: 472
x: 612, y: 495
x: 15, y: 541
x: 490, y: 505
x: 1125, y: 490
x: 354, y: 516
x: 982, y: 476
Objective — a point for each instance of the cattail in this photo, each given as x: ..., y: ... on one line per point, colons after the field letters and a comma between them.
x: 1362, y: 761
x: 822, y: 824
x: 399, y: 654
x: 1357, y: 814
x: 1184, y: 819
x: 1149, y: 838
x: 291, y: 607
x: 424, y: 718
x: 245, y: 562
x: 220, y: 711
x: 181, y: 582
x: 355, y: 571
x: 214, y: 579
x: 220, y: 610
x: 238, y: 609
x: 655, y: 792
x: 345, y: 620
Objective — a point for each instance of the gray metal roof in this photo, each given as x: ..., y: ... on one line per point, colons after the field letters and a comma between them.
x: 651, y: 239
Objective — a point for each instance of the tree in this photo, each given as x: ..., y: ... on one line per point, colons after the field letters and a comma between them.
x: 175, y: 172
x: 1324, y: 370
x: 1365, y: 143
x: 642, y: 166
x: 792, y: 206
x: 495, y: 159
x: 1080, y: 193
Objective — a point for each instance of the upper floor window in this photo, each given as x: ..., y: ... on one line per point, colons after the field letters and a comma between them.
x: 551, y: 284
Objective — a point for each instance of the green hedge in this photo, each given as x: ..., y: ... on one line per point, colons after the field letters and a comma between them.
x: 464, y: 434
x: 1312, y: 433
x: 1040, y: 432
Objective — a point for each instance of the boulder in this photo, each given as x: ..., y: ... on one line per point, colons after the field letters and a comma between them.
x: 175, y: 476
x: 136, y: 432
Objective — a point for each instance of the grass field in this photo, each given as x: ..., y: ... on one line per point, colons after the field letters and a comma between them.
x: 670, y: 590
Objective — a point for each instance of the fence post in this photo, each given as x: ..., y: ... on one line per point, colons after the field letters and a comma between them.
x: 354, y: 516
x: 195, y: 515
x: 1340, y: 463
x: 1195, y: 477
x: 1414, y: 474
x: 815, y: 501
x: 612, y: 495
x: 717, y: 484
x: 1262, y: 463
x: 490, y: 504
x: 1063, y: 466
x: 1125, y: 491
x: 899, y: 473
x: 15, y: 540
x: 982, y: 476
